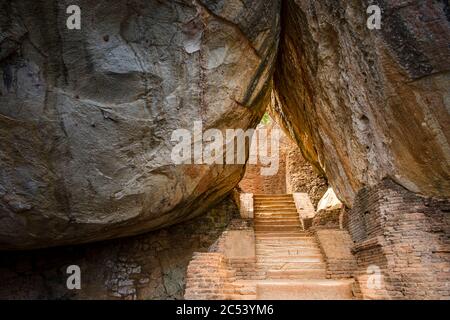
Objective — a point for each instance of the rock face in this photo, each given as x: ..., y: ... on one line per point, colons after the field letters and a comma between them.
x: 86, y: 116
x: 367, y: 104
x: 301, y: 176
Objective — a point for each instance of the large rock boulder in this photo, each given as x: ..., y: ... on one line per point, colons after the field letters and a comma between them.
x: 86, y: 116
x: 366, y: 104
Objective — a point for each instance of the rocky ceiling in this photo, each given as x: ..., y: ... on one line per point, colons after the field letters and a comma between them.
x: 86, y: 115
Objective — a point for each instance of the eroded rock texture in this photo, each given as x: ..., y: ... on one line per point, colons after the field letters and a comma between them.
x: 86, y: 116
x: 366, y: 104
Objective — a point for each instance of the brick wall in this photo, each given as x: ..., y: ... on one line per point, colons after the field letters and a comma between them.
x: 301, y: 176
x: 211, y: 275
x: 295, y: 174
x: 406, y: 237
x: 254, y: 182
x: 149, y: 266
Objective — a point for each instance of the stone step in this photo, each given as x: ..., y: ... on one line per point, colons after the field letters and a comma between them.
x: 285, y: 210
x: 286, y: 203
x: 300, y: 247
x: 271, y: 216
x: 293, y: 264
x: 293, y: 217
x: 296, y: 274
x: 277, y: 228
x: 245, y: 286
x: 311, y: 252
x: 291, y: 248
x: 288, y: 241
x: 256, y: 272
x: 285, y: 241
x: 286, y: 235
x: 303, y: 253
x: 287, y: 258
x: 278, y: 221
x: 284, y: 265
x: 269, y: 196
x: 276, y: 203
x: 305, y: 290
x: 292, y: 251
x: 274, y: 196
x: 275, y: 243
x: 273, y: 206
x: 265, y: 199
x: 241, y: 297
x: 263, y: 235
x: 275, y: 215
x: 263, y: 217
x: 272, y: 199
x: 274, y: 210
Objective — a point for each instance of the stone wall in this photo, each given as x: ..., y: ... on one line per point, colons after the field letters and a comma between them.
x: 150, y: 266
x: 301, y: 175
x: 295, y: 174
x: 403, y: 236
x: 254, y: 182
x: 209, y: 276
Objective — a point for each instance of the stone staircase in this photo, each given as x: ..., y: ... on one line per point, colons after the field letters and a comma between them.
x: 289, y: 264
x: 283, y: 249
x: 289, y: 256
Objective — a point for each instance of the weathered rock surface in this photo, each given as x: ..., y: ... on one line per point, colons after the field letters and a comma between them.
x: 301, y: 176
x: 366, y: 104
x: 86, y: 116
